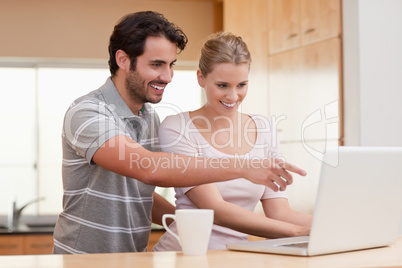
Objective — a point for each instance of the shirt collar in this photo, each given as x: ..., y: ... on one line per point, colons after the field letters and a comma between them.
x: 112, y: 97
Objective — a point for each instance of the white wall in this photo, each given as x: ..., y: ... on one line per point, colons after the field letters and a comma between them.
x: 372, y: 57
x: 373, y: 72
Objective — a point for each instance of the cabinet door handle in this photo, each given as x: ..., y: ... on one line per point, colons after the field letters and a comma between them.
x: 48, y: 245
x: 309, y: 31
x: 9, y: 246
x: 291, y: 35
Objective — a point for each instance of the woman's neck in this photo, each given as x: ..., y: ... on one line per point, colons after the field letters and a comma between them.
x: 206, y: 115
x: 232, y: 135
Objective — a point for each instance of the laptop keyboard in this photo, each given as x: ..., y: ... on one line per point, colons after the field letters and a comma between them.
x: 297, y: 245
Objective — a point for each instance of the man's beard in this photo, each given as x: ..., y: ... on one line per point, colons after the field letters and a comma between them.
x: 137, y: 89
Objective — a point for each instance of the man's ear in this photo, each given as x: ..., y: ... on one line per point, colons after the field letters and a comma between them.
x: 200, y: 78
x: 122, y: 60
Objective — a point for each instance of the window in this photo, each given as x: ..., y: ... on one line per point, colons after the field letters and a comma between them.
x: 17, y: 135
x: 34, y: 102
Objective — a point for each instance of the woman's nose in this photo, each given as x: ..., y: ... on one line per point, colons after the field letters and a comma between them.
x: 231, y: 95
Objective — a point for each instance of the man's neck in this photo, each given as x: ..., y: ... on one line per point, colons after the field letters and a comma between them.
x: 134, y: 106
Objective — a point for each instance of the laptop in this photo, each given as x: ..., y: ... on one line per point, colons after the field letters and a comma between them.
x: 358, y: 205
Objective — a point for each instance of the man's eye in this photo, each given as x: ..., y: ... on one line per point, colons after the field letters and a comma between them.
x: 156, y: 64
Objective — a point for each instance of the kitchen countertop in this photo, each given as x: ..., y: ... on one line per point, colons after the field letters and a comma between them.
x: 381, y: 257
x: 24, y: 229
x: 43, y: 224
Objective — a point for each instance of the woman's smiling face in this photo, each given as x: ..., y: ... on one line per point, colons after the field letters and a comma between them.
x: 225, y: 87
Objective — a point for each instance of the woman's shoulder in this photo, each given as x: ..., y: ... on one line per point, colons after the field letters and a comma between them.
x: 265, y: 125
x: 260, y: 120
x: 176, y: 119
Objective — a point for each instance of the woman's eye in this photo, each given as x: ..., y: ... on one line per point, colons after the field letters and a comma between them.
x: 221, y: 85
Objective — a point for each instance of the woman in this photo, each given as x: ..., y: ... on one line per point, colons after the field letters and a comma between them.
x: 218, y: 129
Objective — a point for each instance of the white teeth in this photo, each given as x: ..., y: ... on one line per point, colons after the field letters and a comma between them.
x: 228, y: 104
x: 157, y: 87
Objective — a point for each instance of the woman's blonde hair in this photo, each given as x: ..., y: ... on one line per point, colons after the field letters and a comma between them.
x: 223, y: 47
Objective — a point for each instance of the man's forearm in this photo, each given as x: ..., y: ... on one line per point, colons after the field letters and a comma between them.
x: 168, y: 169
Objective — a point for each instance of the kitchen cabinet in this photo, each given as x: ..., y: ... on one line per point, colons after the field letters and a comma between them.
x: 154, y: 238
x: 293, y: 23
x: 283, y: 24
x: 320, y: 19
x: 26, y: 244
x: 305, y: 91
x: 33, y: 244
x: 38, y: 244
x: 11, y: 245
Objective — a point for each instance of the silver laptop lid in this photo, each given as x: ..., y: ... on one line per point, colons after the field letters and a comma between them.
x: 359, y: 201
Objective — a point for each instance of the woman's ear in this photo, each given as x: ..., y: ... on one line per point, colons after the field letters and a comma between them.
x: 200, y: 78
x: 122, y: 60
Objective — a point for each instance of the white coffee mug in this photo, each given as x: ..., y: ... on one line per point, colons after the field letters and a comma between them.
x: 194, y: 227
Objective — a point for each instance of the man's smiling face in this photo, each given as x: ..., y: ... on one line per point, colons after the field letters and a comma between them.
x: 154, y: 70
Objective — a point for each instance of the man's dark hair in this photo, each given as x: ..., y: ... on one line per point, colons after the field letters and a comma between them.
x: 133, y: 29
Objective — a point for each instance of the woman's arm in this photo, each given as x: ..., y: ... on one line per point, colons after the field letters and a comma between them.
x: 237, y: 218
x: 279, y: 209
x: 160, y: 207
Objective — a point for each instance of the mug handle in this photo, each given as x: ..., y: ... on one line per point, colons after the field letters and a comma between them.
x: 164, y: 217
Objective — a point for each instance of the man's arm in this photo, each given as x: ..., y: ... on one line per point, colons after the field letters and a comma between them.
x: 124, y: 156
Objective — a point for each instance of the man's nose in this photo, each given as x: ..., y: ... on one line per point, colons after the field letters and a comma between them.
x: 167, y: 74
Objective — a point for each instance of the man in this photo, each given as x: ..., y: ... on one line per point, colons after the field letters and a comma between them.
x: 111, y: 159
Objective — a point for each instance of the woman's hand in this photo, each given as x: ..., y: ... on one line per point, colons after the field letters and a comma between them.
x: 301, y: 230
